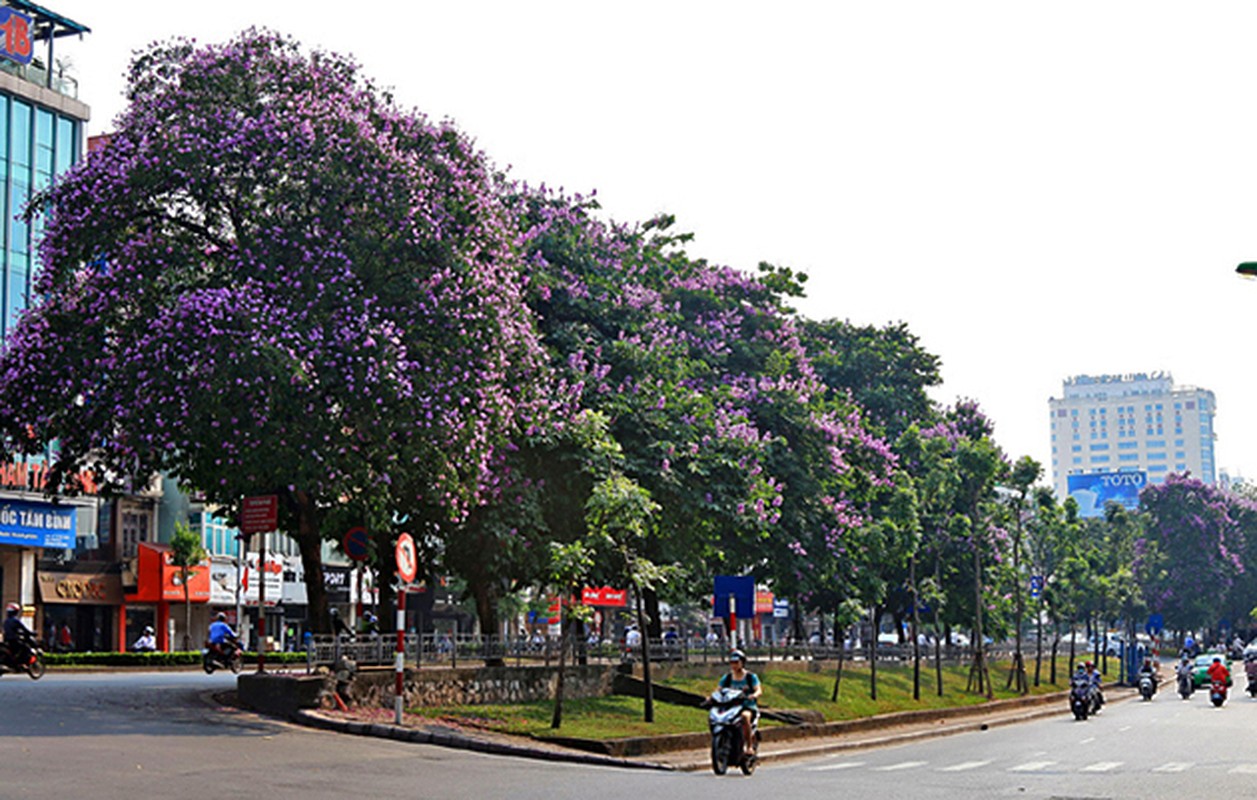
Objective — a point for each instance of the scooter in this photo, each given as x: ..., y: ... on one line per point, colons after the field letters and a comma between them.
x: 1185, y: 684
x: 227, y: 656
x: 1080, y: 698
x: 1217, y: 693
x: 1250, y: 669
x: 1147, y: 686
x: 32, y: 665
x: 725, y: 721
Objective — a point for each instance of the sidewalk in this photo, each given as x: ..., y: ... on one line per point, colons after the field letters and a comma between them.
x: 874, y: 732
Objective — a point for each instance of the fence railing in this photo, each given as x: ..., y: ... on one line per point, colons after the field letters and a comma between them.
x: 472, y: 650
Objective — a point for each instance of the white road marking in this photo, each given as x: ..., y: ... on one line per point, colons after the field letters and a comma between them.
x: 1102, y: 766
x: 966, y: 765
x: 1244, y: 769
x: 1123, y: 730
x: 1088, y: 740
x: 843, y: 765
x: 1032, y: 766
x: 899, y: 766
x: 1175, y: 766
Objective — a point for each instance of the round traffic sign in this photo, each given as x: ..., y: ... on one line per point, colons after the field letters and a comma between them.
x: 356, y: 543
x: 407, y: 561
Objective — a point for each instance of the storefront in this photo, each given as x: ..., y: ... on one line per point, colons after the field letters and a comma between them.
x: 27, y: 528
x: 153, y: 585
x: 80, y: 607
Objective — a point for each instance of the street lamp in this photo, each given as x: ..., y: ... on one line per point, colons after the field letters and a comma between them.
x: 1248, y: 269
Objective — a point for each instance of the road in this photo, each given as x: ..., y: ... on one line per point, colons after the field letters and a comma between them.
x: 128, y: 735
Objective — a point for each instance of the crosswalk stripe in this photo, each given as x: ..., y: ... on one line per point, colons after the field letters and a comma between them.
x: 1244, y: 769
x: 901, y: 765
x: 1102, y: 766
x: 1175, y: 766
x: 843, y: 765
x: 1032, y: 766
x: 966, y: 765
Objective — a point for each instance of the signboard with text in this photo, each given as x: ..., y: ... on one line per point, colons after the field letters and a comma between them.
x: 1092, y: 490
x: 37, y: 525
x: 604, y: 596
x: 259, y: 514
x: 15, y: 45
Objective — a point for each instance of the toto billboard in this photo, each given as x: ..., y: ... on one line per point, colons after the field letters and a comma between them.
x: 1093, y: 490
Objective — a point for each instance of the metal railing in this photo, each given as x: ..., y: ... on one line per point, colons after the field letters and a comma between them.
x: 472, y: 650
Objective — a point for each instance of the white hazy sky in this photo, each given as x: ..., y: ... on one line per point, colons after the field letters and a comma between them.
x: 1039, y: 190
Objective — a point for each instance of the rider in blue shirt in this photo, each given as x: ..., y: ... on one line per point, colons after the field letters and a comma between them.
x: 219, y: 632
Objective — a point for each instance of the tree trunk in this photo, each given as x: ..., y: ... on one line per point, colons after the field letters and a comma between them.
x: 1056, y: 646
x: 939, y: 632
x: 656, y: 623
x: 642, y: 621
x: 797, y: 624
x: 557, y: 719
x: 978, y: 672
x: 1018, y: 674
x: 1038, y: 645
x: 1073, y: 646
x: 873, y: 654
x: 187, y: 612
x: 916, y: 628
x: 310, y: 543
x: 838, y: 641
x: 487, y: 613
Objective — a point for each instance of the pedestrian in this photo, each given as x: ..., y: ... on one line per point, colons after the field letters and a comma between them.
x: 65, y: 639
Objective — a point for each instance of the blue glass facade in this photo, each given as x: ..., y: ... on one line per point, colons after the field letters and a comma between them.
x: 36, y: 145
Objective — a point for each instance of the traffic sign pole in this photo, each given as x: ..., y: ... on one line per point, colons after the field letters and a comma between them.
x: 400, y: 661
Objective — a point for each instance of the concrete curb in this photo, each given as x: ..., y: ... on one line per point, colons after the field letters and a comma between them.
x: 456, y: 741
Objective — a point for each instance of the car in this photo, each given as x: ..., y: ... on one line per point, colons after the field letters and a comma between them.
x: 1200, y: 670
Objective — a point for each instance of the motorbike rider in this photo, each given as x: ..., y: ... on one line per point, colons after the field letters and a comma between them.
x: 1185, y: 668
x: 1218, y: 673
x: 147, y: 643
x: 17, y: 637
x: 220, y: 633
x: 1094, y: 676
x: 739, y: 678
x: 1148, y: 671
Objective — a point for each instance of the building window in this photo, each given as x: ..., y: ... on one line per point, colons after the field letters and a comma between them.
x: 1099, y: 459
x: 1156, y: 456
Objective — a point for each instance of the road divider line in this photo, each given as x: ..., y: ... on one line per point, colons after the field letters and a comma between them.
x: 967, y: 765
x: 1032, y: 766
x: 1175, y: 766
x: 1244, y: 769
x: 843, y: 765
x: 900, y: 765
x: 1102, y: 766
x: 1088, y: 740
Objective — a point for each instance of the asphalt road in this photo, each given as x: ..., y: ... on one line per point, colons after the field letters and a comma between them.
x: 153, y: 734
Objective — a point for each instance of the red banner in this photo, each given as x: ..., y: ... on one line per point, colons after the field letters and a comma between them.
x: 763, y: 602
x: 604, y: 596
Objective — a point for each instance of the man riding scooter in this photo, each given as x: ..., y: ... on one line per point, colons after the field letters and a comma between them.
x: 17, y: 637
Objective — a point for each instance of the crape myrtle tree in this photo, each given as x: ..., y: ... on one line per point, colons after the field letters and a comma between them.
x: 274, y: 280
x: 1191, y: 540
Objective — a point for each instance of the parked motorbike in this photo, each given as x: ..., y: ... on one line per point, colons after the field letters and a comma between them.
x: 226, y: 656
x: 1147, y: 686
x: 1081, y: 699
x: 1217, y: 693
x: 725, y: 721
x: 32, y: 664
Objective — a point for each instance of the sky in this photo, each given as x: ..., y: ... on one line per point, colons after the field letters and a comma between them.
x: 1038, y: 190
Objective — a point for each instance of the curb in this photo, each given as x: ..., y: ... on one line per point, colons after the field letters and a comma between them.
x: 458, y: 742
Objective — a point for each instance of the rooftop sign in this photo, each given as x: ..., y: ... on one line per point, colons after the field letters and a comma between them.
x: 16, y: 44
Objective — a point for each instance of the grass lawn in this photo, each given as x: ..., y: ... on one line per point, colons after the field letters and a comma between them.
x: 617, y: 716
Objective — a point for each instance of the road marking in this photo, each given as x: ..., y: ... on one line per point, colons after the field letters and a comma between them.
x: 1088, y: 740
x: 1123, y: 730
x: 1244, y: 769
x: 899, y: 766
x: 964, y: 766
x: 1032, y: 766
x: 1102, y: 766
x: 843, y: 765
x: 1175, y: 766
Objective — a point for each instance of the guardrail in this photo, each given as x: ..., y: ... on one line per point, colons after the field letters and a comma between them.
x: 470, y: 649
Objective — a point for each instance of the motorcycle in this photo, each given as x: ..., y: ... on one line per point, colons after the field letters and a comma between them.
x: 1185, y: 684
x: 225, y: 656
x: 32, y: 665
x: 1147, y: 686
x: 725, y: 721
x: 1081, y: 698
x: 1217, y: 693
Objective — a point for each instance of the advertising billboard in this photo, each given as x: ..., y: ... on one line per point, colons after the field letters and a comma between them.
x: 37, y: 524
x: 1091, y: 491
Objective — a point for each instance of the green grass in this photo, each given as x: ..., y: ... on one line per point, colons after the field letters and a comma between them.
x: 619, y: 717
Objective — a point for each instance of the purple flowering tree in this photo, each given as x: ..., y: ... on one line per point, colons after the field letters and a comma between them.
x: 275, y: 280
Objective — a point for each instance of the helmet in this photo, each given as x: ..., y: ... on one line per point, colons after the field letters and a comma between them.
x: 12, y: 610
x: 1081, y: 667
x: 333, y: 612
x: 737, y: 655
x: 148, y: 628
x: 1090, y: 665
x: 221, y: 616
x: 1217, y: 659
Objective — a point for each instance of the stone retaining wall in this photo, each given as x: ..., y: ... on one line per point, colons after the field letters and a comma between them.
x: 478, y: 685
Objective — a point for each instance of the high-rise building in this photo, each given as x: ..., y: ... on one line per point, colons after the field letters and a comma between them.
x: 1141, y: 423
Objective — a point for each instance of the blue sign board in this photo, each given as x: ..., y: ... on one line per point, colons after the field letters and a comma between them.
x: 781, y: 609
x: 15, y: 44
x: 1036, y: 586
x: 743, y: 590
x: 1091, y: 491
x: 38, y: 525
x: 1156, y: 624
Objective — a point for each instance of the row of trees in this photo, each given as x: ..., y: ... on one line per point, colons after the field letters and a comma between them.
x: 275, y: 280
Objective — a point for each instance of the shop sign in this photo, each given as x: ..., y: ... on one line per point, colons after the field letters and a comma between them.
x: 763, y: 602
x: 16, y: 44
x: 32, y: 476
x: 336, y: 584
x: 223, y: 577
x: 273, y: 575
x: 80, y: 588
x: 604, y: 596
x: 38, y: 525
